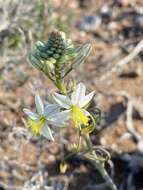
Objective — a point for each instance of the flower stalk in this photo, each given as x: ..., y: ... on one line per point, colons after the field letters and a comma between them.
x: 61, y: 86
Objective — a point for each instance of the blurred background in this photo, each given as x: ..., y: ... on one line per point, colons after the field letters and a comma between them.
x: 114, y: 70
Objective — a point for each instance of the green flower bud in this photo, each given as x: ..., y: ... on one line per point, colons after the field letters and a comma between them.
x: 52, y: 60
x: 56, y: 56
x: 50, y: 65
x: 50, y: 52
x: 40, y: 46
x: 42, y: 55
x: 52, y: 49
x: 59, y: 51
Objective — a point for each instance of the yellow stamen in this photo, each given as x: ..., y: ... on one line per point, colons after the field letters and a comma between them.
x: 79, y: 117
x: 36, y: 125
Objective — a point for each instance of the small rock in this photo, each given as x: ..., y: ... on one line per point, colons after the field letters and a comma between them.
x: 123, y: 3
x: 105, y: 14
x: 90, y: 23
x: 139, y: 20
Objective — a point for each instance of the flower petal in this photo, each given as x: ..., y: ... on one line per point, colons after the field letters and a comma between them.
x: 47, y: 133
x: 51, y: 109
x: 62, y: 100
x: 32, y: 115
x: 39, y: 105
x: 57, y: 124
x: 86, y: 99
x: 60, y: 118
x: 86, y: 112
x: 78, y: 93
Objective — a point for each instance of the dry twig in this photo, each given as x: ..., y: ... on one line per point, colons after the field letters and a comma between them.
x: 125, y: 60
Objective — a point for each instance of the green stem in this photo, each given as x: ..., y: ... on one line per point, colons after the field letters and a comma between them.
x: 105, y: 175
x: 99, y: 166
x: 59, y: 81
x: 88, y: 142
x: 61, y: 86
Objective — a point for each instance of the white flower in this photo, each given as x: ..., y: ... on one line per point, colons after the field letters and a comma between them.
x: 75, y: 106
x: 39, y: 121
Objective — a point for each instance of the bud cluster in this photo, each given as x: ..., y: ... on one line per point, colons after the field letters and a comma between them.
x: 53, y: 56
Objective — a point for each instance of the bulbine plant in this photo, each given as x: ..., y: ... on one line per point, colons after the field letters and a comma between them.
x: 70, y: 104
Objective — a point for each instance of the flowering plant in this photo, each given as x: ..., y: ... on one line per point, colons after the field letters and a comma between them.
x: 56, y: 58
